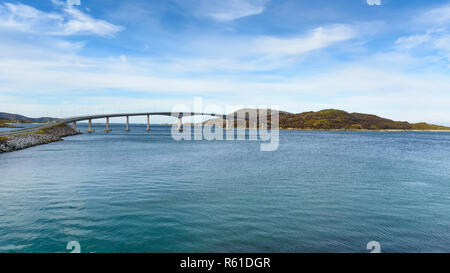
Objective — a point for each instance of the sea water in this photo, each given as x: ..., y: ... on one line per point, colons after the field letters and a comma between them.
x: 142, y: 191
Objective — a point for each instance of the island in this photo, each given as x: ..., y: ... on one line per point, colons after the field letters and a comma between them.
x: 333, y: 119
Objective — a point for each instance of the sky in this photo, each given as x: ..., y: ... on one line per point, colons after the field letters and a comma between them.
x: 385, y: 57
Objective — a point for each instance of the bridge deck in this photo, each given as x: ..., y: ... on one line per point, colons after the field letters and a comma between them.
x: 170, y: 114
x: 90, y: 117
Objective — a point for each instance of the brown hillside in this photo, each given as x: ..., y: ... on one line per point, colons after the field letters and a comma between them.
x: 332, y: 119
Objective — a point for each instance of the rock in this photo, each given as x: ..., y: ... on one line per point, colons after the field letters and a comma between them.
x: 44, y: 136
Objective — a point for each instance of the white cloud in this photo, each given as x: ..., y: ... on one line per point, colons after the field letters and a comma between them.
x: 74, y: 2
x: 443, y: 42
x: 434, y: 36
x: 70, y: 21
x: 439, y: 16
x: 260, y: 53
x: 373, y: 2
x: 412, y: 41
x: 319, y: 38
x: 443, y: 45
x: 26, y: 18
x: 235, y: 9
x: 82, y: 23
x: 223, y: 11
x: 433, y: 39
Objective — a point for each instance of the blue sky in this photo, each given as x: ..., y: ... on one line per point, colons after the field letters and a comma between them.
x: 386, y: 57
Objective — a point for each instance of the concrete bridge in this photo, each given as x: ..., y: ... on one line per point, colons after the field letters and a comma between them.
x: 178, y: 115
x: 89, y: 118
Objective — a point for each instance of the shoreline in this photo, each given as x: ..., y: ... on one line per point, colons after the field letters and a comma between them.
x: 344, y: 130
x: 21, y: 141
x: 15, y: 124
x: 9, y: 125
x: 365, y: 130
x: 55, y: 133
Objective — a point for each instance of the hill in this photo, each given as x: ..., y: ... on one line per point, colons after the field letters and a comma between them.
x: 332, y: 119
x: 6, y: 118
x: 24, y: 119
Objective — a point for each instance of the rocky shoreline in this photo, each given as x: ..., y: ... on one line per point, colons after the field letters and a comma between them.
x: 44, y: 136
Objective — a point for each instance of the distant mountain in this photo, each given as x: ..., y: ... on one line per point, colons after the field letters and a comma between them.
x: 23, y: 119
x: 332, y: 119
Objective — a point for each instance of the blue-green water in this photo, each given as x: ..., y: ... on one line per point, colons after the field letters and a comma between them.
x: 142, y: 191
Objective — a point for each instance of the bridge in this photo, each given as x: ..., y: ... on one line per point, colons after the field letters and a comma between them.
x: 89, y: 118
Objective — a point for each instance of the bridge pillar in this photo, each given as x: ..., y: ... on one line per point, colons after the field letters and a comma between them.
x: 89, y: 129
x: 75, y: 125
x: 227, y: 124
x: 180, y: 124
x: 107, y: 129
x: 148, y: 122
x: 128, y: 126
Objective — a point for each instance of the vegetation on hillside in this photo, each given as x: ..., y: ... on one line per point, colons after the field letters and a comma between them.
x: 332, y: 119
